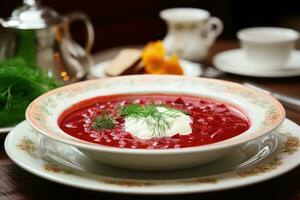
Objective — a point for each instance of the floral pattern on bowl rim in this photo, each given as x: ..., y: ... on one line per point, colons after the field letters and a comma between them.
x: 265, y: 112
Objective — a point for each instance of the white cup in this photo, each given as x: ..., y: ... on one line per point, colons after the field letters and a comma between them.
x: 191, y: 32
x: 268, y: 48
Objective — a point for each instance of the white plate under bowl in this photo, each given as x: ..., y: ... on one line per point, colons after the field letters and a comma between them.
x: 189, y: 69
x: 5, y: 129
x: 264, y: 112
x: 21, y: 145
x: 235, y: 62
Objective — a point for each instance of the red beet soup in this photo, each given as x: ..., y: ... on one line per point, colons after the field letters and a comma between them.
x: 101, y: 120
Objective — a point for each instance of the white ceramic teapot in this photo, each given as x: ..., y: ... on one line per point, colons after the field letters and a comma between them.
x: 191, y: 32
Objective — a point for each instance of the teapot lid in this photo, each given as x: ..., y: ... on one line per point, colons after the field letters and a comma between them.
x: 32, y: 16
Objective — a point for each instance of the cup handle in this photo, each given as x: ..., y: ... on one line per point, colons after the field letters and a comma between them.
x: 214, y: 29
x: 78, y: 16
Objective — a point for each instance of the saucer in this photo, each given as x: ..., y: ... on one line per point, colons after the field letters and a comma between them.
x: 266, y: 158
x: 235, y: 62
x: 189, y: 69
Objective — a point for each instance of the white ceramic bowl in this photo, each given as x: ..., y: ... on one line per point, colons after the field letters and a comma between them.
x: 264, y: 112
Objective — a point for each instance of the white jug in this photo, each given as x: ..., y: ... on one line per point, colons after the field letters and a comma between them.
x: 191, y: 32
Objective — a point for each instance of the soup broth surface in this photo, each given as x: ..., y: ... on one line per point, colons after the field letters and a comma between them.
x: 100, y: 120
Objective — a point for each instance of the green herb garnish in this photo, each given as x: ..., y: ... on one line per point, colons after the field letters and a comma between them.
x: 155, y: 119
x: 104, y: 121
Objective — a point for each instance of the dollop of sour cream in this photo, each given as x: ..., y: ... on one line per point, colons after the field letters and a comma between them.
x: 181, y: 124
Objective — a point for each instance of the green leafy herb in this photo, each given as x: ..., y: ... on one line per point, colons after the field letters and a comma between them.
x: 156, y: 120
x: 20, y: 83
x: 104, y: 121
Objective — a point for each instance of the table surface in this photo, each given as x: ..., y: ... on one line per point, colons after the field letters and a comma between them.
x: 17, y: 184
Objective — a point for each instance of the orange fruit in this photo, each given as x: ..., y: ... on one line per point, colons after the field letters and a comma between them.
x: 153, y: 57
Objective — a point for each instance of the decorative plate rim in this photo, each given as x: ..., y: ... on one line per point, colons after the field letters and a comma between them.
x: 232, y: 178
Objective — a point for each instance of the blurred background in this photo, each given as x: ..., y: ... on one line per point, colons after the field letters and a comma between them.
x: 129, y: 22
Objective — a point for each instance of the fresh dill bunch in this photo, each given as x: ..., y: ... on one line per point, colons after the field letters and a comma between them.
x: 19, y: 85
x: 6, y: 98
x: 155, y: 119
x: 13, y: 111
x: 104, y: 121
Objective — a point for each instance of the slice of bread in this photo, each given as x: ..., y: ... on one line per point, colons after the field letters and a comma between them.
x: 126, y: 59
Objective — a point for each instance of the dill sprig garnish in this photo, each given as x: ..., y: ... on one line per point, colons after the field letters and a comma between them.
x: 104, y: 121
x: 155, y: 118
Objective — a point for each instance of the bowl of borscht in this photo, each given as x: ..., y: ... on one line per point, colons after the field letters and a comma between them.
x: 155, y: 122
